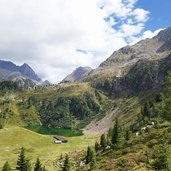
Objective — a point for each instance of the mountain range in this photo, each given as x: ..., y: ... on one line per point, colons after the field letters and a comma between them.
x: 24, y: 75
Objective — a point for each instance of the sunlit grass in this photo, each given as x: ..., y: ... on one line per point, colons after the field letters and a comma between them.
x: 38, y: 145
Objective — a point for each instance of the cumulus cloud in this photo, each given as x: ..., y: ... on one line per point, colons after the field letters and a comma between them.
x: 145, y: 35
x: 47, y: 34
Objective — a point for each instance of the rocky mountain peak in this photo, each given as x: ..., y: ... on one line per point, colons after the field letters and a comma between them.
x: 27, y: 71
x: 122, y: 60
x: 10, y: 71
x: 78, y: 74
x: 164, y: 35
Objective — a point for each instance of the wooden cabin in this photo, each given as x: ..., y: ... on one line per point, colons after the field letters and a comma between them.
x: 59, y: 139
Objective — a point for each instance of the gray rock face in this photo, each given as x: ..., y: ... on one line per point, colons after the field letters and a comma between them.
x: 28, y: 72
x: 45, y: 83
x: 10, y: 71
x: 25, y: 83
x: 78, y: 74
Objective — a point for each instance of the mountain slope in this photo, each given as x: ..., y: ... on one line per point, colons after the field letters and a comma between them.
x: 122, y: 71
x: 10, y: 71
x: 120, y: 62
x: 78, y: 74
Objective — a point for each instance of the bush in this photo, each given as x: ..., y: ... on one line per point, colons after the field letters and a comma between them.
x: 2, y: 123
x: 151, y: 143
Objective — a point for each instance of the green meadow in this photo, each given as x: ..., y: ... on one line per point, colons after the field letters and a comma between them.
x: 12, y: 138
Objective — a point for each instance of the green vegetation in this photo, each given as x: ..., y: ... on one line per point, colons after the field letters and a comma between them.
x: 38, y: 166
x: 93, y: 160
x: 7, y: 86
x: 103, y: 142
x: 138, y: 140
x: 22, y: 163
x: 73, y: 106
x: 55, y: 131
x: 38, y: 146
x: 88, y: 156
x: 67, y: 165
x: 116, y: 135
x: 6, y: 167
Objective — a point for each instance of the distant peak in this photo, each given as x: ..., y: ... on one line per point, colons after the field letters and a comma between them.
x: 25, y: 65
x: 78, y: 74
x: 86, y: 67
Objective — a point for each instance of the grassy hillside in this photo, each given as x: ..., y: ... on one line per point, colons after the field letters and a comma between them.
x: 37, y: 145
x: 137, y: 154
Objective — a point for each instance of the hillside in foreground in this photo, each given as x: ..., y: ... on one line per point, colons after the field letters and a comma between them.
x: 38, y: 145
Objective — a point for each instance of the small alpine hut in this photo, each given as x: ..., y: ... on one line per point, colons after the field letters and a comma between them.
x: 59, y: 139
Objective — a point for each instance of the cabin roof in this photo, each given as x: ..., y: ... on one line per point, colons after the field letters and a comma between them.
x: 58, y: 137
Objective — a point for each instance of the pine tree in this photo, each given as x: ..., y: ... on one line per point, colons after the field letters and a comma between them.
x: 67, y: 165
x: 127, y: 135
x: 22, y: 162
x: 38, y: 166
x: 97, y: 146
x: 6, y: 167
x: 88, y: 156
x: 28, y: 166
x: 93, y: 160
x: 103, y: 142
x: 116, y: 134
x: 145, y: 111
x: 61, y: 157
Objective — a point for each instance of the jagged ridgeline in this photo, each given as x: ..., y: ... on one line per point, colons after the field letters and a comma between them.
x: 134, y: 69
x: 65, y: 106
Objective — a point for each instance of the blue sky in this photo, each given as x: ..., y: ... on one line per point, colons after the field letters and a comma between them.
x: 160, y: 13
x: 56, y: 36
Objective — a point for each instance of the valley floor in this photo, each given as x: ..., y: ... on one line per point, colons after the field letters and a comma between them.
x: 37, y: 145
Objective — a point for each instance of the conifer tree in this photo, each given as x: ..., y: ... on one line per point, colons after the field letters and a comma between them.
x: 116, y: 134
x: 28, y: 166
x: 22, y: 162
x: 67, y: 165
x: 97, y: 146
x: 93, y: 160
x: 103, y: 141
x: 127, y: 135
x: 145, y: 111
x: 88, y: 156
x: 38, y: 166
x: 6, y: 167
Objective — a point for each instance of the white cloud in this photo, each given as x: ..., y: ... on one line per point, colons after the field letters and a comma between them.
x: 130, y: 29
x: 140, y: 15
x: 145, y: 35
x: 46, y: 34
